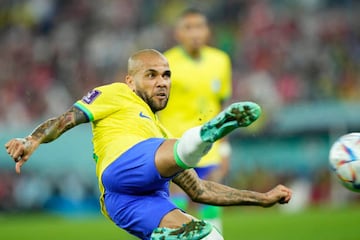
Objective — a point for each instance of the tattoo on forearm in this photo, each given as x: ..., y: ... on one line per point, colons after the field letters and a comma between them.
x: 53, y: 128
x: 213, y: 193
x: 188, y: 181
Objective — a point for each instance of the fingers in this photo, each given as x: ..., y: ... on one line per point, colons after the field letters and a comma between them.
x: 15, y: 148
x: 285, y: 194
x: 288, y: 197
x: 18, y: 166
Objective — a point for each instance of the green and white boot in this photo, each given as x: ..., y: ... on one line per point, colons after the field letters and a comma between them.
x: 194, y: 230
x: 240, y: 114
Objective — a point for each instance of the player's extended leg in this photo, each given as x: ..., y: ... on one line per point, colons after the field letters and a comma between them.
x: 196, y: 142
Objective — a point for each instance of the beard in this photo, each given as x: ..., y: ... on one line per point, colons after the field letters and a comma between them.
x: 154, y: 104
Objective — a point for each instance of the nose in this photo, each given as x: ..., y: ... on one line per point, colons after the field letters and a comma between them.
x: 163, y: 81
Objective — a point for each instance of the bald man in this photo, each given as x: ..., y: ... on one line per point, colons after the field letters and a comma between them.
x: 136, y: 158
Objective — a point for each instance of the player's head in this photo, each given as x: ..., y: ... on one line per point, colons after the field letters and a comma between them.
x: 149, y: 77
x: 192, y: 30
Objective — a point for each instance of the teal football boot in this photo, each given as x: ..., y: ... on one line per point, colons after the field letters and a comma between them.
x: 194, y: 230
x: 240, y: 114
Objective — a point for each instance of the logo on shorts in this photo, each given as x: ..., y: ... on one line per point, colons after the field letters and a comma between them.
x: 143, y: 116
x: 91, y: 96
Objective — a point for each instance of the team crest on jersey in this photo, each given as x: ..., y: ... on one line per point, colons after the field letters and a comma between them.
x: 91, y: 96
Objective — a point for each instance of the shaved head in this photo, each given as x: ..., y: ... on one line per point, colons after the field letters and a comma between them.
x: 139, y: 58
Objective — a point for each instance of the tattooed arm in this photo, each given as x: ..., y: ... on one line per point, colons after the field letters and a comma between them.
x: 213, y: 193
x: 20, y: 149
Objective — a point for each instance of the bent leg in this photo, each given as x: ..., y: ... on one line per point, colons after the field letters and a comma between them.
x: 175, y: 155
x: 165, y: 161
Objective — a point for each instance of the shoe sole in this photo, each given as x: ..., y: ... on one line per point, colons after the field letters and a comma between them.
x: 240, y: 114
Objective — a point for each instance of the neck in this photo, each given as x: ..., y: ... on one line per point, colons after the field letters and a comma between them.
x: 193, y: 53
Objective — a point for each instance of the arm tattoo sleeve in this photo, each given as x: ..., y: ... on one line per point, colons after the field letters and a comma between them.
x: 54, y: 127
x: 213, y: 193
x: 189, y: 182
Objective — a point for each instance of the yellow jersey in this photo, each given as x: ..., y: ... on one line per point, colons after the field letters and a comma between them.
x: 197, y: 90
x: 120, y: 119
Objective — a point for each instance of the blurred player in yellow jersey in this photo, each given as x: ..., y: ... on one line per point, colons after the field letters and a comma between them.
x: 201, y: 83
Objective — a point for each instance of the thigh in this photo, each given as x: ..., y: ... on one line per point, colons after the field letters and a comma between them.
x: 138, y: 215
x: 165, y: 161
x: 134, y: 172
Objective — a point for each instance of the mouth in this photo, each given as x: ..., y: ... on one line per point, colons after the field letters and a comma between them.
x: 161, y: 95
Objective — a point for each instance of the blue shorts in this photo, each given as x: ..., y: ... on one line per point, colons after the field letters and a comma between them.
x: 136, y: 196
x: 203, y: 172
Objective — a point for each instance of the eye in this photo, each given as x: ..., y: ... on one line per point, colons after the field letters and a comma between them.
x: 167, y: 75
x: 151, y: 75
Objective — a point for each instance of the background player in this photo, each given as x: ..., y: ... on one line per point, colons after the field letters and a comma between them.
x: 201, y: 83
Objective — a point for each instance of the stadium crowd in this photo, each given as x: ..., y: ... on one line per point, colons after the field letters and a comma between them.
x: 53, y: 52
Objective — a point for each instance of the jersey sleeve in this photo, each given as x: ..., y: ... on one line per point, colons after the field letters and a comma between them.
x: 99, y: 103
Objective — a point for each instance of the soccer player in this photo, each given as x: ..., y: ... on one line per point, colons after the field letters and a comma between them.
x: 136, y: 159
x: 201, y: 84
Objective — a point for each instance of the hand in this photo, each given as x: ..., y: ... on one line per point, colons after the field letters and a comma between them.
x: 280, y: 194
x: 20, y: 149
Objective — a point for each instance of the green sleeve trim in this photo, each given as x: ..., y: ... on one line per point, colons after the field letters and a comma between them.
x: 88, y: 114
x: 177, y: 157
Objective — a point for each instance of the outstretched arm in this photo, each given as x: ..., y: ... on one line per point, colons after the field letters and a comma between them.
x: 213, y: 193
x: 20, y: 149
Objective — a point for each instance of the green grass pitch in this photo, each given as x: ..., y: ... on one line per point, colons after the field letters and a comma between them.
x: 248, y: 223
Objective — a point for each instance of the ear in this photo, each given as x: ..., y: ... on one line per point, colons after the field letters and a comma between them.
x: 129, y: 80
